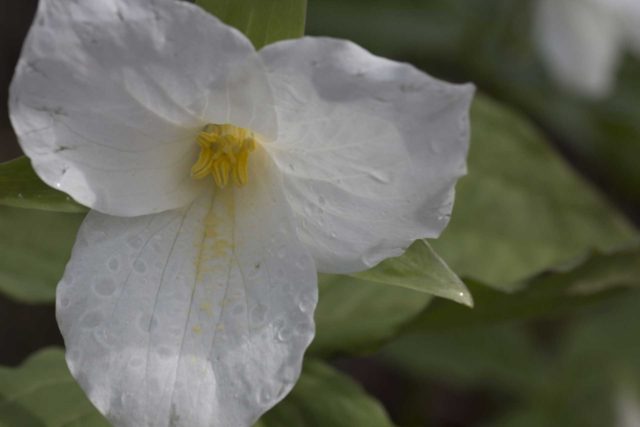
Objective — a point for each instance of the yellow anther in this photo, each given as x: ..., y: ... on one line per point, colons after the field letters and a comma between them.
x: 224, y: 154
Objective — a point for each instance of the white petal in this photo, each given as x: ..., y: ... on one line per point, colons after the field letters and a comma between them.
x: 370, y: 149
x: 109, y: 95
x: 581, y: 42
x: 194, y: 317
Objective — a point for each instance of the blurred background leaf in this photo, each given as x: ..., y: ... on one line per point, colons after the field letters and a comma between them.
x: 264, y: 21
x: 34, y: 251
x: 325, y: 397
x: 356, y: 316
x: 21, y: 187
x: 521, y: 208
x: 42, y: 393
x: 597, y: 278
x: 559, y: 362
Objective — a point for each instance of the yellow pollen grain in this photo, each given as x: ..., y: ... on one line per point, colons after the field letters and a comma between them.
x: 224, y: 154
x: 207, y: 308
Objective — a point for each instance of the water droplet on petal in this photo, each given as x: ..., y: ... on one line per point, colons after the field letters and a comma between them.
x: 105, y: 286
x: 139, y: 266
x: 64, y: 302
x: 284, y: 334
x: 113, y: 264
x: 306, y: 304
x: 91, y: 319
x: 259, y: 314
x: 165, y: 351
x: 238, y: 310
x: 73, y: 355
x: 264, y: 397
x: 379, y: 176
x: 303, y: 327
x: 135, y: 242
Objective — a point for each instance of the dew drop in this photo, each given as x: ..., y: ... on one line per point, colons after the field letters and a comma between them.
x: 143, y: 322
x: 259, y: 314
x: 289, y: 375
x: 73, y: 355
x: 68, y: 279
x: 302, y: 263
x: 91, y: 319
x: 165, y: 351
x: 287, y: 289
x: 302, y: 328
x: 443, y: 217
x: 264, y: 397
x: 82, y: 242
x: 139, y: 266
x: 284, y: 334
x: 64, y: 302
x: 380, y: 176
x: 105, y: 337
x: 135, y: 242
x: 113, y: 264
x: 306, y: 304
x: 105, y: 286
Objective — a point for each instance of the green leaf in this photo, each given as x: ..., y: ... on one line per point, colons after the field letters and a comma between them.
x: 21, y: 187
x: 522, y: 209
x: 501, y: 355
x: 355, y: 316
x: 599, y: 276
x: 262, y: 21
x: 594, y: 365
x: 420, y: 269
x: 42, y: 393
x: 325, y: 397
x: 35, y: 248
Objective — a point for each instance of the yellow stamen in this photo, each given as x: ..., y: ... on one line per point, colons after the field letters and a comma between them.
x: 224, y: 154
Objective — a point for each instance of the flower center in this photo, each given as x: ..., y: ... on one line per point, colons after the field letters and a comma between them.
x: 224, y: 153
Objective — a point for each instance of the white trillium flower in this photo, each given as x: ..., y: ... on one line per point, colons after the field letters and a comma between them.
x: 220, y: 180
x: 583, y: 41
